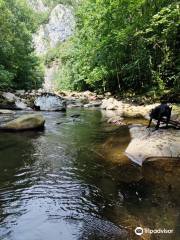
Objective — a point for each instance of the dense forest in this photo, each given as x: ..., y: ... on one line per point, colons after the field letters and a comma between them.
x: 123, y: 45
x: 19, y: 66
x: 118, y: 46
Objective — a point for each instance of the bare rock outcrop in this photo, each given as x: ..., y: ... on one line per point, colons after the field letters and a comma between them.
x: 148, y: 144
x: 60, y: 26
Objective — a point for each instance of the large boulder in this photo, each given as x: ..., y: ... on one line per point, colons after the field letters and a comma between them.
x: 50, y: 102
x: 111, y: 104
x: 148, y: 144
x: 11, y: 101
x: 9, y: 96
x: 133, y: 111
x: 24, y: 122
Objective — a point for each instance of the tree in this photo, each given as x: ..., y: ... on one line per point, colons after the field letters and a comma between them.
x: 19, y: 67
x: 112, y: 49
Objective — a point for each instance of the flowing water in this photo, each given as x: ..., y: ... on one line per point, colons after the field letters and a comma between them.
x: 72, y: 181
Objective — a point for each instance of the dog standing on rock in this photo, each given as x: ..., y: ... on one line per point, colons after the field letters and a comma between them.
x: 159, y: 112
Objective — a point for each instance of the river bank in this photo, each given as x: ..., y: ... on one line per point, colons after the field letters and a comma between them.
x: 133, y: 106
x: 163, y: 143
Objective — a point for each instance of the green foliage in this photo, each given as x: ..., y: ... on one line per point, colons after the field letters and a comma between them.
x: 62, y: 53
x: 5, y: 77
x: 19, y: 67
x: 123, y: 45
x: 161, y: 37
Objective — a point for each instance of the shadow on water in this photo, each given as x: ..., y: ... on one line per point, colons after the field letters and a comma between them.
x: 16, y: 159
x: 73, y: 181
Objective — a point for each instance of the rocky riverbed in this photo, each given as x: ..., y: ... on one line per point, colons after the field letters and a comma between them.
x: 144, y: 144
x: 83, y: 169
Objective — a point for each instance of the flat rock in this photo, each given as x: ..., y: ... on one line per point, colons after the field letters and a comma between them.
x: 6, y: 111
x: 92, y: 105
x: 132, y: 111
x: 147, y: 144
x: 24, y: 122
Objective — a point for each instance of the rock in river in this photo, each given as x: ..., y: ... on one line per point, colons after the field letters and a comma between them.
x: 11, y: 101
x: 148, y: 144
x: 50, y: 102
x: 6, y: 111
x: 24, y: 122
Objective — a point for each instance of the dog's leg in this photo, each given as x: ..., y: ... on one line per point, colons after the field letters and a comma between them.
x: 168, y: 117
x: 158, y: 123
x: 167, y: 120
x: 149, y: 123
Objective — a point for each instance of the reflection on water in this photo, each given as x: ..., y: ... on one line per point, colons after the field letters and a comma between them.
x: 73, y: 181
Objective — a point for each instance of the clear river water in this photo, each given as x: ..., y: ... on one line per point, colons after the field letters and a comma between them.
x: 72, y: 181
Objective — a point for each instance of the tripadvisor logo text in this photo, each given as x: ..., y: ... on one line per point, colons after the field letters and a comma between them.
x: 139, y: 231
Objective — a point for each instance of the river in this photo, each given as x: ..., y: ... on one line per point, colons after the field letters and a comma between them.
x: 73, y: 181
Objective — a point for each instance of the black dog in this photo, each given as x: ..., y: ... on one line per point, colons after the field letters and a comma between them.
x: 159, y: 112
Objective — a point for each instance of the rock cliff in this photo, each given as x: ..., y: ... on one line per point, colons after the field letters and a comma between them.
x: 38, y: 5
x: 60, y: 26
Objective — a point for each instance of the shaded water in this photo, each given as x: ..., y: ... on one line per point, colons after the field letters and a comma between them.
x: 72, y: 181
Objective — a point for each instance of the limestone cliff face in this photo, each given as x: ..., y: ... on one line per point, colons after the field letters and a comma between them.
x: 38, y: 5
x: 59, y: 27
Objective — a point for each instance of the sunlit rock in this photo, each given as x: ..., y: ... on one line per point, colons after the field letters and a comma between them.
x: 146, y: 144
x: 50, y: 102
x: 111, y: 104
x: 60, y: 26
x: 6, y: 111
x: 24, y: 122
x: 11, y: 101
x: 38, y: 5
x: 133, y: 111
x: 9, y: 96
